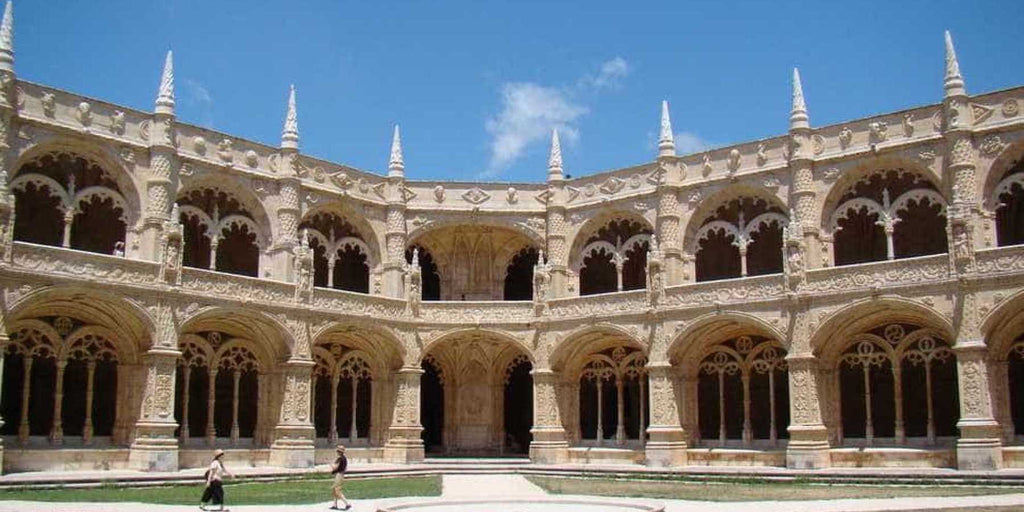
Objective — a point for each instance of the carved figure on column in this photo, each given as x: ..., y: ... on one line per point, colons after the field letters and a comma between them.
x: 303, y: 269
x: 541, y: 285
x: 655, y: 274
x: 414, y: 284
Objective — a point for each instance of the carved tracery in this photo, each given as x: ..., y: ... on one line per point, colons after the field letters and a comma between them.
x: 742, y: 237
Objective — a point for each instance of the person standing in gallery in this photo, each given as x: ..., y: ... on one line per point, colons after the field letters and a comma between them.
x: 214, y: 482
x: 338, y: 470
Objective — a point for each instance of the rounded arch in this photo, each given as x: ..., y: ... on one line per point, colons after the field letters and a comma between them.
x: 477, y: 333
x: 581, y: 236
x: 371, y: 242
x: 834, y: 330
x: 270, y: 341
x: 709, y: 206
x: 997, y: 171
x: 125, y: 351
x: 863, y: 171
x: 706, y: 331
x: 423, y: 229
x: 381, y: 344
x: 582, y: 341
x: 92, y: 306
x: 246, y: 197
x: 1004, y: 325
x: 102, y: 156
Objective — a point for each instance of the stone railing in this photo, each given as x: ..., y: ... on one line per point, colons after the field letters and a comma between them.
x: 726, y: 291
x: 476, y: 312
x: 357, y: 304
x: 235, y: 287
x: 1000, y: 259
x: 603, y: 304
x: 909, y: 271
x: 49, y: 260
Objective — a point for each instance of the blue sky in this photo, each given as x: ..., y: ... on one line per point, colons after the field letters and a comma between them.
x: 477, y: 86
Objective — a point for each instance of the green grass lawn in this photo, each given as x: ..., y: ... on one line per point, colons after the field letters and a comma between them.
x: 749, y: 491
x: 296, y: 492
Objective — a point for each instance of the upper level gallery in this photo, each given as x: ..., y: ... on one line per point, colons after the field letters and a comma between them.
x: 89, y: 188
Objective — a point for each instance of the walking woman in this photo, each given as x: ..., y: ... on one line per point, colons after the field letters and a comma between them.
x: 214, y: 482
x: 338, y: 469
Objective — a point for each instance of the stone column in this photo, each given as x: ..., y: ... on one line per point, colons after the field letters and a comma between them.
x: 803, y: 218
x: 292, y: 446
x: 57, y: 428
x: 4, y: 339
x: 980, y: 445
x: 666, y: 445
x: 808, y: 438
x: 404, y: 444
x: 549, y: 444
x: 155, y: 448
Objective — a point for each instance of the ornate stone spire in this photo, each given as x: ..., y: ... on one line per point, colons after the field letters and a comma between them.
x: 555, y: 160
x: 290, y: 134
x: 666, y: 142
x: 7, y: 39
x: 165, y: 97
x: 396, y: 165
x: 953, y: 82
x: 798, y: 116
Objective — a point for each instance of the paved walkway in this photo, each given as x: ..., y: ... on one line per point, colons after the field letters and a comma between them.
x: 465, y: 487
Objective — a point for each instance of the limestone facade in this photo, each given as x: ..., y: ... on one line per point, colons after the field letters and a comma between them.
x: 847, y: 295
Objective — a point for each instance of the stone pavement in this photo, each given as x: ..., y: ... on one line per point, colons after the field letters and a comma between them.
x: 483, y: 487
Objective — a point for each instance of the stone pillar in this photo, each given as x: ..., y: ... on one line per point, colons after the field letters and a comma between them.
x: 404, y: 444
x: 808, y: 438
x: 162, y: 181
x: 549, y: 444
x: 667, y: 443
x: 803, y: 216
x: 960, y: 165
x: 980, y: 445
x: 288, y: 212
x: 292, y: 446
x: 668, y: 232
x: 395, y: 234
x: 155, y: 448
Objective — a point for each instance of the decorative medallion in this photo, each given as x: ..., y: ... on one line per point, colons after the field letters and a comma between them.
x: 612, y: 185
x: 475, y: 195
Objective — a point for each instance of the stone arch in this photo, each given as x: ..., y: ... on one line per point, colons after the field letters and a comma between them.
x: 378, y: 341
x: 130, y: 190
x: 864, y: 314
x: 584, y: 231
x: 454, y: 334
x: 362, y: 225
x: 1004, y: 324
x: 708, y: 206
x: 885, y: 208
x: 271, y: 341
x: 1003, y: 194
x: 471, y: 260
x: 588, y: 338
x: 709, y: 329
x: 116, y: 314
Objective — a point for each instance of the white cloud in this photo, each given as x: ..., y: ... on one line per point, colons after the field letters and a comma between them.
x: 689, y: 142
x: 610, y: 76
x: 198, y: 96
x: 530, y: 111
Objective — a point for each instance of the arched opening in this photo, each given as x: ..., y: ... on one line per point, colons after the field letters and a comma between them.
x: 219, y: 233
x: 65, y: 200
x: 741, y: 238
x: 1015, y: 380
x: 519, y: 275
x: 218, y: 395
x: 428, y: 269
x: 614, y: 258
x: 898, y: 385
x: 612, y: 398
x: 60, y: 381
x: 341, y: 257
x: 743, y: 393
x: 432, y: 406
x: 1009, y: 198
x: 518, y: 405
x: 343, y: 387
x: 889, y: 214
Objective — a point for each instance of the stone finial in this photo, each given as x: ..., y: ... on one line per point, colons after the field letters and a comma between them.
x: 415, y: 258
x: 396, y: 165
x: 7, y: 38
x: 555, y: 160
x: 165, y: 97
x: 798, y: 116
x: 953, y: 83
x: 666, y: 142
x: 290, y: 134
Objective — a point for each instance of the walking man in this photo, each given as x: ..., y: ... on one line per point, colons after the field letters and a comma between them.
x: 214, y: 482
x: 338, y: 470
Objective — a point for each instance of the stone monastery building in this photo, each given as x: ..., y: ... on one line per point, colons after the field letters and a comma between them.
x: 847, y: 295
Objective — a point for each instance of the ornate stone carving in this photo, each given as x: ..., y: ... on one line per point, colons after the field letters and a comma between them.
x: 879, y: 131
x: 117, y: 123
x: 251, y: 158
x: 439, y: 194
x: 845, y: 137
x: 49, y: 103
x: 981, y: 112
x: 706, y: 166
x: 1010, y: 108
x: 991, y: 145
x: 612, y: 185
x: 762, y: 156
x: 962, y: 152
x: 733, y: 161
x: 83, y: 113
x: 817, y: 144
x: 225, y: 150
x: 512, y: 196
